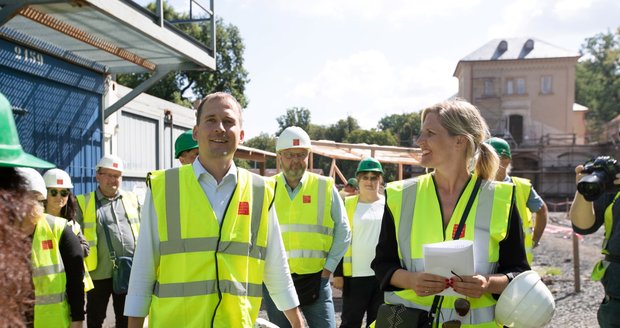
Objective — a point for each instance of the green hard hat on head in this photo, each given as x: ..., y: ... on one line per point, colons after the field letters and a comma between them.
x: 11, y: 152
x: 502, y: 148
x: 352, y: 182
x: 184, y: 142
x: 369, y: 164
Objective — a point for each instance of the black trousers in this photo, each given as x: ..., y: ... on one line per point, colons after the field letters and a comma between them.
x: 97, y: 304
x: 360, y: 295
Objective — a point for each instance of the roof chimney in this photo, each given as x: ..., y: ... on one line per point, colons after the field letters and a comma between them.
x: 502, y: 46
x: 529, y: 44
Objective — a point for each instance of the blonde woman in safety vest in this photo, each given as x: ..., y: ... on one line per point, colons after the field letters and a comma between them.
x: 361, y: 294
x: 429, y: 208
x: 57, y: 263
x: 209, y: 236
x: 62, y: 203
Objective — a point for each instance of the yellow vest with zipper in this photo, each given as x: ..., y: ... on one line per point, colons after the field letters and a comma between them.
x: 48, y: 274
x: 88, y: 281
x: 208, y: 275
x: 89, y: 212
x: 305, y: 222
x: 350, y: 204
x: 417, y: 219
x: 522, y: 194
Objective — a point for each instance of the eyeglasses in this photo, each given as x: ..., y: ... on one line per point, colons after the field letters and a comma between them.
x: 63, y: 192
x: 110, y: 176
x: 461, y: 306
x: 289, y: 155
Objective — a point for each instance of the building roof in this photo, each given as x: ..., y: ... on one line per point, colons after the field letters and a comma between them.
x: 518, y: 48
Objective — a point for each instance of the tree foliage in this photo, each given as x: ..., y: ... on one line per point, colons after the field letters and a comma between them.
x: 265, y: 142
x: 295, y: 116
x: 230, y: 75
x: 404, y: 126
x: 598, y: 78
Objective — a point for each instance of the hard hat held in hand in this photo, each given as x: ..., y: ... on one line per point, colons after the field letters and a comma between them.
x: 34, y: 180
x: 525, y: 303
x: 111, y: 162
x: 57, y: 178
x: 293, y: 137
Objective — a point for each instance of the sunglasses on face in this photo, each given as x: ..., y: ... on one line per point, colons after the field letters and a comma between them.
x: 461, y: 306
x: 63, y: 193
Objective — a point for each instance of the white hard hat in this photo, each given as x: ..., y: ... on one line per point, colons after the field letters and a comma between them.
x: 57, y: 178
x: 111, y: 162
x: 526, y: 302
x: 293, y: 137
x: 34, y: 180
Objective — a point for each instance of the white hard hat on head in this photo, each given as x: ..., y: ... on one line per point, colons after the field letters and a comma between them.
x: 34, y: 180
x: 57, y: 178
x: 526, y: 302
x: 111, y: 162
x: 293, y: 137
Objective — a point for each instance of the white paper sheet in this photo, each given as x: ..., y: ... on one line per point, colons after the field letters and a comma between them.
x: 445, y: 257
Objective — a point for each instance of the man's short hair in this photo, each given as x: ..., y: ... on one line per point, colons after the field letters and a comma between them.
x: 218, y: 95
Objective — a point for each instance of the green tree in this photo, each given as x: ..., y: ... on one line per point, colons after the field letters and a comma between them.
x: 384, y: 138
x: 338, y: 132
x: 295, y: 116
x: 264, y: 142
x: 597, y: 83
x: 404, y: 126
x: 229, y: 76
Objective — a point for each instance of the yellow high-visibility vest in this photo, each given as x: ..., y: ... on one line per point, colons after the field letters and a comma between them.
x: 601, y: 266
x: 417, y: 219
x: 89, y: 212
x: 48, y: 274
x: 522, y: 193
x: 305, y: 222
x: 208, y: 275
x: 350, y: 204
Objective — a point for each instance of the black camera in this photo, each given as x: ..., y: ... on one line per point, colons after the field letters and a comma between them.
x: 601, y: 173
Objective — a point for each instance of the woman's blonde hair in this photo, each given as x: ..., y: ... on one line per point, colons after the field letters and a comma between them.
x: 460, y: 117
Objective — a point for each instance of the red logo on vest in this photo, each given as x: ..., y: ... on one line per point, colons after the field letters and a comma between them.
x: 456, y: 226
x: 295, y: 142
x: 307, y: 199
x: 59, y: 181
x: 244, y: 208
x: 47, y: 244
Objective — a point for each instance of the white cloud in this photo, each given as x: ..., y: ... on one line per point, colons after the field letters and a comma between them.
x: 367, y: 86
x: 569, y: 9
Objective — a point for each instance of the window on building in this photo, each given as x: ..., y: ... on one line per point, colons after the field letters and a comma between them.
x: 488, y: 88
x: 521, y: 86
x: 546, y: 84
x: 510, y: 87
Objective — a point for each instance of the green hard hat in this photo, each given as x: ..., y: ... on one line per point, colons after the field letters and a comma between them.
x: 352, y: 182
x: 184, y: 142
x: 11, y: 152
x: 502, y: 148
x: 369, y: 164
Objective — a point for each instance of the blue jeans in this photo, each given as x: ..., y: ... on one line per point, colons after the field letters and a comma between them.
x: 320, y: 314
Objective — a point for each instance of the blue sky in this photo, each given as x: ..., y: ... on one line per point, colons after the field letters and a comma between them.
x: 372, y: 58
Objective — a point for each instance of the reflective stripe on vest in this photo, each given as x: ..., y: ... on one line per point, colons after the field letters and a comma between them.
x: 88, y: 206
x: 350, y: 203
x: 305, y: 222
x: 51, y: 308
x: 522, y: 194
x: 488, y: 220
x: 601, y: 266
x: 208, y: 275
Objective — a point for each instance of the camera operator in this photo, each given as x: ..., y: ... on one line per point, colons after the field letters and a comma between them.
x: 587, y: 217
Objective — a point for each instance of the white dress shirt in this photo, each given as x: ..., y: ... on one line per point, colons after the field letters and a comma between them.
x: 146, y: 259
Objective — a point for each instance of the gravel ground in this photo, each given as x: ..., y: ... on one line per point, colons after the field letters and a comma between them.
x: 553, y: 259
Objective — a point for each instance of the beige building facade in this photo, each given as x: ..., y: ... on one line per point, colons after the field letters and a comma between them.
x: 525, y: 90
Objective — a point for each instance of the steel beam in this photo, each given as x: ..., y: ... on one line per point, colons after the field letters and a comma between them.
x: 157, y: 75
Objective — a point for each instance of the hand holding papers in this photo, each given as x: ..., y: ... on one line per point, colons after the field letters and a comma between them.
x: 445, y: 257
